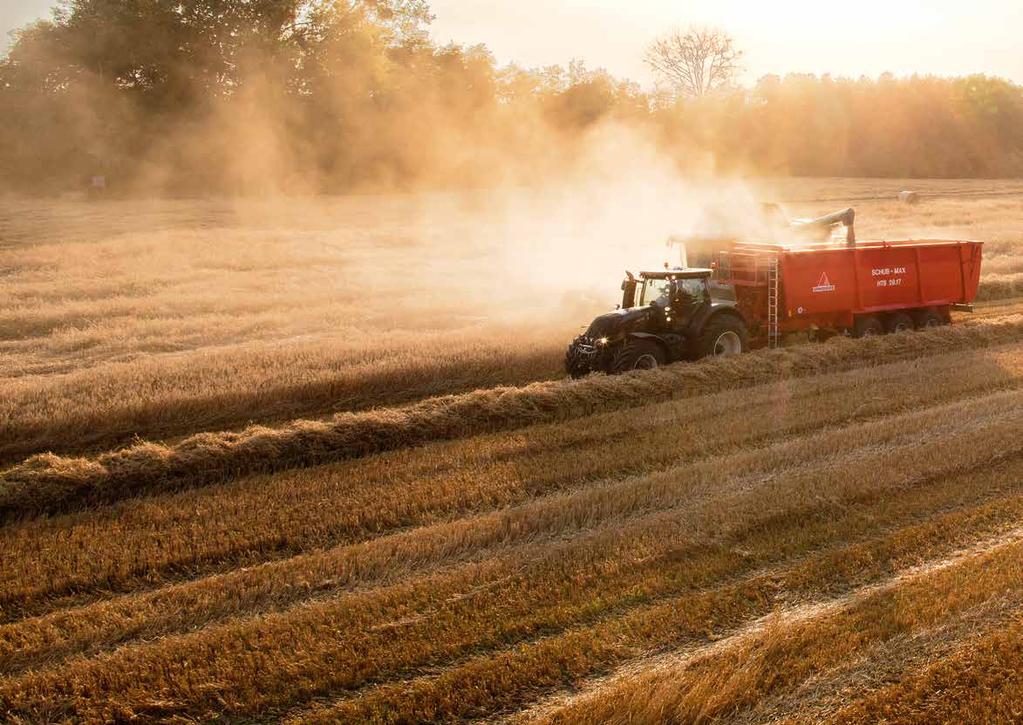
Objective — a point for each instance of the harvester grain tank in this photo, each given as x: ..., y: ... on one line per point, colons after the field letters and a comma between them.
x: 754, y: 294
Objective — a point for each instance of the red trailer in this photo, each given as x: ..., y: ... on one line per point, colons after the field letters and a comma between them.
x: 866, y: 288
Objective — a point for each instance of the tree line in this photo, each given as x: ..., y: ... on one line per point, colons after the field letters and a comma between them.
x: 190, y: 96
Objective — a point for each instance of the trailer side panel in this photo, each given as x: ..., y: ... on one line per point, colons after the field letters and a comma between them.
x: 879, y: 277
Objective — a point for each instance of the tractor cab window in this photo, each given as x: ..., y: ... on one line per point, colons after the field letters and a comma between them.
x: 655, y: 290
x: 693, y: 291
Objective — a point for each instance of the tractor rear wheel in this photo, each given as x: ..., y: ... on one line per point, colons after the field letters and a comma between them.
x: 638, y: 354
x: 724, y: 336
x: 867, y: 326
x: 899, y: 322
x: 928, y: 318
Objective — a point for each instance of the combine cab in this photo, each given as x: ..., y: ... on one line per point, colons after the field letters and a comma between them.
x: 756, y: 293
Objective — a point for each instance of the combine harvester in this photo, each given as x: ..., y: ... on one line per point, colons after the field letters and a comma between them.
x: 754, y: 294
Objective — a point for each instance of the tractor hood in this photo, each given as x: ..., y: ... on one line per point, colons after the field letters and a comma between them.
x: 614, y: 323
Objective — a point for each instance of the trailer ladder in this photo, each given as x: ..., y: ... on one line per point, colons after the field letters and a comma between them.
x: 773, y: 333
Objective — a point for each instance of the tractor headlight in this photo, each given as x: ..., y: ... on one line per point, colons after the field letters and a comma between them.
x: 602, y: 341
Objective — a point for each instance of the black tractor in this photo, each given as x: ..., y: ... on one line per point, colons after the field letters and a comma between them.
x: 665, y: 317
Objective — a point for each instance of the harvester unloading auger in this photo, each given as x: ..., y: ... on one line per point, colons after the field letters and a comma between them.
x: 752, y: 294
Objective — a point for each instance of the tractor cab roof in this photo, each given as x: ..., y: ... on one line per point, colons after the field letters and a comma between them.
x: 678, y: 273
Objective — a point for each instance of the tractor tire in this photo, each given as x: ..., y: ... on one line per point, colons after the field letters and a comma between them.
x: 899, y: 322
x: 577, y: 365
x: 723, y: 336
x: 638, y: 354
x: 867, y: 326
x: 926, y: 319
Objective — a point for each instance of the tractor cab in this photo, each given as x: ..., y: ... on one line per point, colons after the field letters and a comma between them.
x: 671, y: 289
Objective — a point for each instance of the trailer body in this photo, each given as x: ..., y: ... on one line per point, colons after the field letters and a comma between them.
x: 830, y: 285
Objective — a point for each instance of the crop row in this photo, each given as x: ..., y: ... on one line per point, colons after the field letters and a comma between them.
x: 791, y: 649
x: 156, y: 398
x: 497, y: 679
x: 151, y: 542
x: 114, y: 403
x: 528, y: 527
x: 980, y: 682
x: 244, y: 666
x: 49, y: 482
x: 857, y: 542
x: 1000, y: 286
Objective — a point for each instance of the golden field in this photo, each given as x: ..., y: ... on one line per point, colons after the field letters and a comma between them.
x: 163, y: 318
x: 315, y: 461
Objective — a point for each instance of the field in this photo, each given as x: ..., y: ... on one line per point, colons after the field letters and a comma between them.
x: 315, y: 461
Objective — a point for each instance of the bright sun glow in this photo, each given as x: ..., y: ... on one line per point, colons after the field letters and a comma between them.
x: 944, y: 37
x: 870, y: 37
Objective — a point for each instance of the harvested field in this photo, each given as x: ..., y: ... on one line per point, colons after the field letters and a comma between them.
x: 216, y: 506
x: 261, y: 313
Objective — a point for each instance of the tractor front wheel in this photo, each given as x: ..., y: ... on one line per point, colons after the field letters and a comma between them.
x: 577, y: 364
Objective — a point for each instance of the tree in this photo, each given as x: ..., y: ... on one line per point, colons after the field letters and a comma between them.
x: 696, y: 61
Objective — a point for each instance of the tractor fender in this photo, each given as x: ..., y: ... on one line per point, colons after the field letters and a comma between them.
x: 729, y: 311
x: 671, y: 343
x: 715, y: 312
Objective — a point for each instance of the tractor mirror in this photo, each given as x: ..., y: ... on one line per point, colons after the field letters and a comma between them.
x: 629, y: 293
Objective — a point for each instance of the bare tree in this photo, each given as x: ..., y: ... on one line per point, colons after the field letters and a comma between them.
x: 695, y: 61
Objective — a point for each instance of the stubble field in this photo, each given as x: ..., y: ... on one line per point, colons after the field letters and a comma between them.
x: 316, y: 461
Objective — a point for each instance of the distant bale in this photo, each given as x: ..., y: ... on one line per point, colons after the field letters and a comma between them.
x: 909, y: 197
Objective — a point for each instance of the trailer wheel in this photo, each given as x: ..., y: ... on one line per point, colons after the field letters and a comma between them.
x: 929, y: 318
x: 867, y: 326
x: 638, y: 354
x: 724, y: 336
x: 899, y: 322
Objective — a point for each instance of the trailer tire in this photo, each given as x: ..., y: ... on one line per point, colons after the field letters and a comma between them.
x: 638, y: 354
x: 867, y: 326
x: 724, y: 336
x: 928, y: 318
x: 899, y: 322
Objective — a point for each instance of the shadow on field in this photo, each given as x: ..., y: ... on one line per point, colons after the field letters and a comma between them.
x: 348, y: 390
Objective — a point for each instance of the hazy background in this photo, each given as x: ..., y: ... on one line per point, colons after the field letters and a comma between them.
x: 870, y: 37
x: 943, y: 37
x: 310, y: 96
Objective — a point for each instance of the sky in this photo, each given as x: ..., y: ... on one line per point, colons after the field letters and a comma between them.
x: 15, y: 13
x: 861, y: 37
